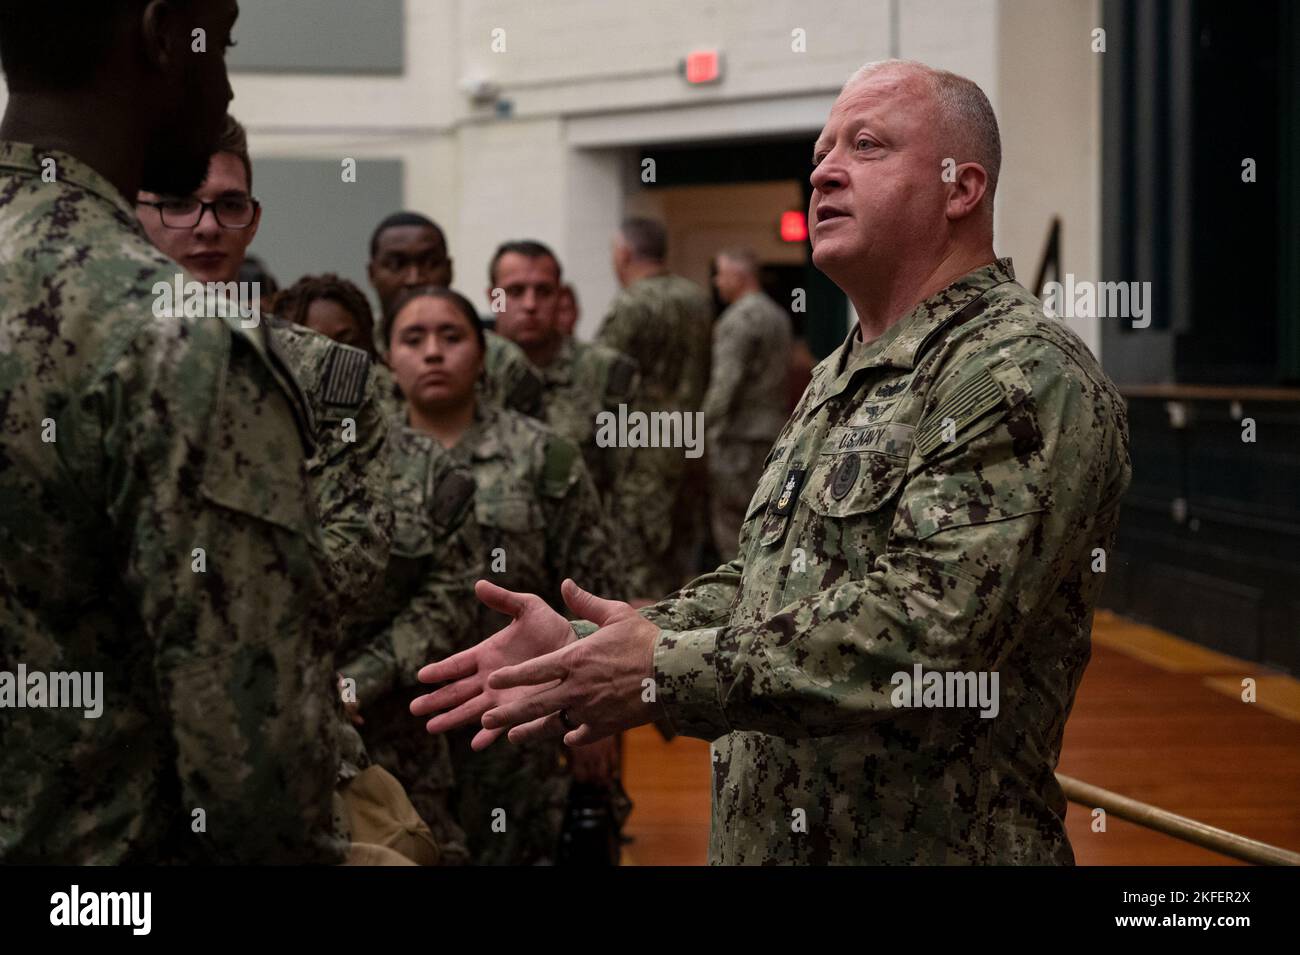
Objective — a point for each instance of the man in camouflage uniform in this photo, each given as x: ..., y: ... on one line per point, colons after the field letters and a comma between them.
x: 209, y: 232
x: 155, y: 519
x: 408, y: 250
x: 744, y: 408
x: 936, y: 503
x: 579, y: 379
x: 663, y: 323
x: 424, y: 608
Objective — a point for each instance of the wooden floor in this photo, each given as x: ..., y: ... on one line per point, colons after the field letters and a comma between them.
x: 1157, y: 719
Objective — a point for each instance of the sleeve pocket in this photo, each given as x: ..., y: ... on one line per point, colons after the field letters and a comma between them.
x: 255, y: 460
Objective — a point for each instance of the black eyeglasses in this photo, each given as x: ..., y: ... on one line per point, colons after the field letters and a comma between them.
x: 231, y: 212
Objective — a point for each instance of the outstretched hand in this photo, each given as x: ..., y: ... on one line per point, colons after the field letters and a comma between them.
x: 535, y: 630
x: 586, y: 690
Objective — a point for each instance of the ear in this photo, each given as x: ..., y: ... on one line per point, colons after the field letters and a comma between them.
x: 160, y: 40
x: 966, y: 192
x: 451, y: 272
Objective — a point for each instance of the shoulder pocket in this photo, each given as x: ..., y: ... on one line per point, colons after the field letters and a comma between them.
x: 972, y: 407
x: 255, y: 462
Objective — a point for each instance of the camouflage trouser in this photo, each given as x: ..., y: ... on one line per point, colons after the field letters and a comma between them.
x: 510, y: 799
x: 422, y: 763
x: 734, y: 470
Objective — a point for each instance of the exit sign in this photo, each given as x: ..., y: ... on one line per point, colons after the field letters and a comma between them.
x: 703, y: 66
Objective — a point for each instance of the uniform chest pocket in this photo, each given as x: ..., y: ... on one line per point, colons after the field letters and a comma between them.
x: 250, y: 465
x: 850, y: 483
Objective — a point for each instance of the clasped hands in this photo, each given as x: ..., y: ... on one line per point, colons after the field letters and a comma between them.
x: 534, y: 679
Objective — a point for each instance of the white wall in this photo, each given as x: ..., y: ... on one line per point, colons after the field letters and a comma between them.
x: 589, y: 79
x: 1049, y: 86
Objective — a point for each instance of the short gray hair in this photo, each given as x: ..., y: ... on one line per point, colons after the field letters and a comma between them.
x: 742, y: 257
x: 646, y: 238
x: 964, y: 110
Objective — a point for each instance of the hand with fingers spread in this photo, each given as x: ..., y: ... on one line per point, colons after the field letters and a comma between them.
x: 588, y: 689
x: 535, y: 630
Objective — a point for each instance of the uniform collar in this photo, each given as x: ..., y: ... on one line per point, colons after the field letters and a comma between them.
x: 903, y: 341
x: 560, y: 370
x: 24, y: 157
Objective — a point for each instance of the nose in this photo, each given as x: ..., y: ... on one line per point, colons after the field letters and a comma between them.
x: 208, y: 227
x: 530, y: 300
x: 413, y: 275
x: 828, y: 175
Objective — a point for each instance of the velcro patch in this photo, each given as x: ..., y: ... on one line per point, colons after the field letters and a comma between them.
x: 557, y: 468
x: 890, y: 438
x: 526, y: 396
x: 971, y: 400
x: 344, y: 381
x: 790, y: 490
x: 451, y: 499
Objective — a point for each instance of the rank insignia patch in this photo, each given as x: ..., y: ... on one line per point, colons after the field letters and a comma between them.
x: 790, y: 490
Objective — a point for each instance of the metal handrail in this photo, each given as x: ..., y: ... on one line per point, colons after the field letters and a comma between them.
x: 1180, y: 827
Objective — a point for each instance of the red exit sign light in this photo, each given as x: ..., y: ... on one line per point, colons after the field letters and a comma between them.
x: 703, y: 66
x: 794, y: 226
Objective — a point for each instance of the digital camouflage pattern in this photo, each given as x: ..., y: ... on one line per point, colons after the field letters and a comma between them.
x: 745, y: 407
x: 537, y: 519
x: 170, y: 435
x: 509, y: 379
x: 349, y: 471
x: 424, y: 610
x: 878, y: 539
x: 664, y: 324
x: 583, y: 380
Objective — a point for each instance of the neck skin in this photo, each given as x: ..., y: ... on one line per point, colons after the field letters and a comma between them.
x: 882, y: 300
x: 446, y: 425
x: 639, y: 269
x: 96, y: 129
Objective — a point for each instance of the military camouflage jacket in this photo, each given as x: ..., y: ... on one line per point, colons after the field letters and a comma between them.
x: 509, y: 378
x: 937, y: 500
x: 664, y: 324
x: 425, y: 606
x: 349, y: 471
x: 156, y: 528
x: 751, y: 362
x: 537, y: 518
x: 582, y: 381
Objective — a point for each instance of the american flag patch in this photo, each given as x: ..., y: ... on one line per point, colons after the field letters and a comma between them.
x: 344, y: 381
